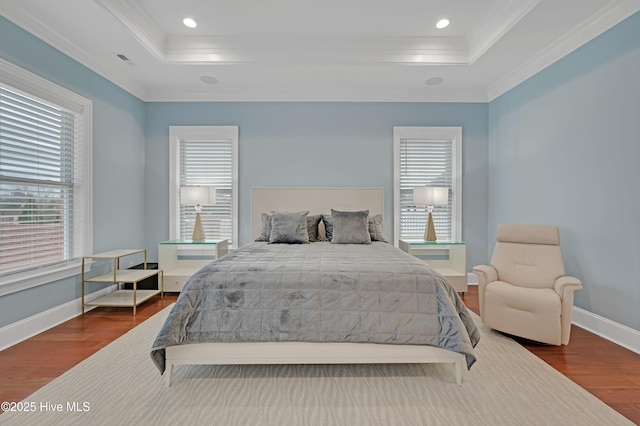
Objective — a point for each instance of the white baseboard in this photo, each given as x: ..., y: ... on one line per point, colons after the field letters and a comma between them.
x: 619, y: 334
x: 19, y: 331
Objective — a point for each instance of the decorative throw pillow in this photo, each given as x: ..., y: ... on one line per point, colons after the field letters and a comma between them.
x: 312, y: 227
x: 375, y: 228
x: 350, y: 227
x: 327, y: 221
x: 289, y: 227
x: 265, y: 232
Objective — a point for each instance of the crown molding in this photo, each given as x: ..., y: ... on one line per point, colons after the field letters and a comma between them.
x: 610, y: 15
x: 297, y: 94
x: 497, y: 23
x: 137, y: 22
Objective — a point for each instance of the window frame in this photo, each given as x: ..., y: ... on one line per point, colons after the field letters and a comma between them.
x: 453, y: 133
x: 176, y: 133
x: 39, y: 87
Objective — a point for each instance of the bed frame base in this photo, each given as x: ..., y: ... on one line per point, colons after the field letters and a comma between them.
x: 308, y: 353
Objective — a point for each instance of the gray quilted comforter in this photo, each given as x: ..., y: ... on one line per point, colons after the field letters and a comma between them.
x: 318, y: 292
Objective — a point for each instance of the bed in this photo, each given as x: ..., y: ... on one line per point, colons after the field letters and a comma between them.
x: 317, y: 302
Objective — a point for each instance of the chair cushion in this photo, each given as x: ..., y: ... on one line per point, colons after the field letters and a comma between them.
x: 528, y: 265
x: 533, y: 313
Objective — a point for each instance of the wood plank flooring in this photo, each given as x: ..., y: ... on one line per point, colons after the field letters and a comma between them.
x: 606, y: 370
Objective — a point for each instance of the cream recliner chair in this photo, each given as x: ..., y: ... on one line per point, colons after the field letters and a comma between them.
x: 525, y: 291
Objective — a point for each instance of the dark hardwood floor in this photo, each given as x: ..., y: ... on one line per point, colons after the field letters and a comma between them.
x: 606, y: 370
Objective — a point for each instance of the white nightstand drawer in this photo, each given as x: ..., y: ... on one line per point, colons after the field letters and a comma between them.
x: 175, y: 282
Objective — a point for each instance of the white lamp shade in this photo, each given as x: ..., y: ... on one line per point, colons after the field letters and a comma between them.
x: 430, y: 195
x: 193, y: 195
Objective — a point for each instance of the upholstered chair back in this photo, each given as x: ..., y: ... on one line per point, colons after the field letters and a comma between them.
x: 528, y: 255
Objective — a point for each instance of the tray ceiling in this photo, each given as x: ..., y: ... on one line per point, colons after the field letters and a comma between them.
x: 298, y: 50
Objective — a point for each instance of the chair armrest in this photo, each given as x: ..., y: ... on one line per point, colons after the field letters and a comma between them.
x: 565, y: 286
x: 566, y: 283
x: 485, y: 273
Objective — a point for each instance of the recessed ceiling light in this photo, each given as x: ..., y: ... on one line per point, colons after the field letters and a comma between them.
x: 207, y: 79
x: 189, y: 22
x: 434, y: 81
x: 443, y: 23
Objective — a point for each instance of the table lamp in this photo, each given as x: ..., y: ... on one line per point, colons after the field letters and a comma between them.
x: 197, y: 196
x: 430, y: 196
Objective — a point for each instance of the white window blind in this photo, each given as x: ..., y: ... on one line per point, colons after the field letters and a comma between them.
x: 40, y: 176
x: 427, y: 156
x: 204, y: 156
x: 208, y: 163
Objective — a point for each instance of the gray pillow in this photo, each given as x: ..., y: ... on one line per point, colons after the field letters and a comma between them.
x: 350, y: 227
x: 312, y: 227
x: 265, y: 232
x: 289, y: 227
x: 375, y: 228
x: 327, y: 220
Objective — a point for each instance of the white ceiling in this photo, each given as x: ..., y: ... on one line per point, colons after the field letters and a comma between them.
x: 302, y: 50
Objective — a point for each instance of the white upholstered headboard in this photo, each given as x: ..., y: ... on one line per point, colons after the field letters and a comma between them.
x: 316, y: 200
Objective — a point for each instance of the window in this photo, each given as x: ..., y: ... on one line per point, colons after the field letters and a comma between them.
x: 427, y: 156
x: 45, y: 187
x: 205, y: 156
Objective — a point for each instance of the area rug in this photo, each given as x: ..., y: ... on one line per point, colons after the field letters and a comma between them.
x: 121, y: 385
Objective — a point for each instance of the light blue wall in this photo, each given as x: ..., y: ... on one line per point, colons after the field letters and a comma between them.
x: 564, y: 149
x: 118, y: 162
x: 319, y: 144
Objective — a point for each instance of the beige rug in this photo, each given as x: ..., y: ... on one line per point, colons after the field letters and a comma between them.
x: 120, y: 385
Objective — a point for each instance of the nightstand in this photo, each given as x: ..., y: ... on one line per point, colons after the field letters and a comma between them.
x: 449, y: 258
x: 179, y: 259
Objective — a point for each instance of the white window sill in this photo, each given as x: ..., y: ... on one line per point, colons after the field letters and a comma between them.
x: 28, y: 279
